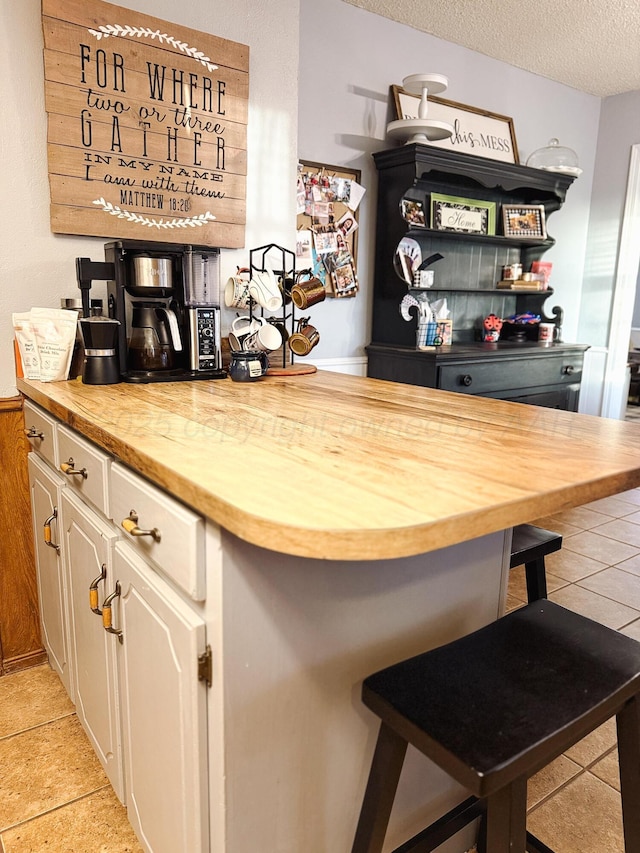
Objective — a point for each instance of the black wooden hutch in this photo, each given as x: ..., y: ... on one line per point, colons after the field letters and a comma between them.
x: 529, y: 372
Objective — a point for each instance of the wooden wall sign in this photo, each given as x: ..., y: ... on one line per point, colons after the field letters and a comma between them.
x: 147, y: 126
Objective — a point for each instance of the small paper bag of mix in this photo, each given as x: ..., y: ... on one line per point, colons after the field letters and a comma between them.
x: 45, y: 338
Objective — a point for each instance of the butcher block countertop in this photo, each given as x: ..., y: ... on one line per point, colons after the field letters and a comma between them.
x: 341, y: 467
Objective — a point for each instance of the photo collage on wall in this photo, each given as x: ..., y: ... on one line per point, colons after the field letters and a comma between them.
x: 327, y: 203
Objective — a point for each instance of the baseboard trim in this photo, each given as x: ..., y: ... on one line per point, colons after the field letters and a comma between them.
x: 355, y: 365
x: 16, y: 664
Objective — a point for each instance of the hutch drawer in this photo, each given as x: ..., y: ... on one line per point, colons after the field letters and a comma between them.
x: 483, y: 376
x: 524, y: 373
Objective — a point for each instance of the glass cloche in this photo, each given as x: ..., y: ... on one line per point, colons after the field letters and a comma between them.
x: 555, y: 158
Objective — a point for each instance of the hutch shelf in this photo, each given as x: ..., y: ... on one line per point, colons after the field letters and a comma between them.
x: 466, y: 276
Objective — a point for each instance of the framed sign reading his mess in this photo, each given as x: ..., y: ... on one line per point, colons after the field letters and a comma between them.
x: 147, y: 126
x: 475, y: 131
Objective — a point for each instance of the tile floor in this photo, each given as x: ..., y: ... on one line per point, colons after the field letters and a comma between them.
x: 574, y: 803
x: 54, y: 795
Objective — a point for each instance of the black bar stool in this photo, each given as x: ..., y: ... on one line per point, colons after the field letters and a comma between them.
x: 495, y: 707
x: 530, y: 545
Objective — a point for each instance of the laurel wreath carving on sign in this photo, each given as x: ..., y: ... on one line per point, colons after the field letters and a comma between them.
x: 192, y: 222
x: 106, y: 30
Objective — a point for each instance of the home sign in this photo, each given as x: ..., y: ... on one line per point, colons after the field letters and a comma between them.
x: 147, y: 126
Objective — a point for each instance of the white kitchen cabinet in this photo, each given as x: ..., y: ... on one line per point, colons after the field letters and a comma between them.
x: 46, y: 488
x: 88, y: 545
x: 140, y: 694
x: 164, y: 708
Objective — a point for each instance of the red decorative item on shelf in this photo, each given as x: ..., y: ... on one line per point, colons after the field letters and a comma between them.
x: 491, y: 328
x: 544, y: 268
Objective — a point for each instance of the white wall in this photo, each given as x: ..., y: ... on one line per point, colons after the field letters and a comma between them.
x: 336, y: 113
x: 619, y: 130
x: 38, y: 267
x: 349, y: 58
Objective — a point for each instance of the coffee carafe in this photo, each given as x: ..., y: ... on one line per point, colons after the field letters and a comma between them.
x: 155, y: 338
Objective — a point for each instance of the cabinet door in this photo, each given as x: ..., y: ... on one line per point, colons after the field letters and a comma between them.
x: 163, y: 709
x: 46, y: 487
x: 88, y: 545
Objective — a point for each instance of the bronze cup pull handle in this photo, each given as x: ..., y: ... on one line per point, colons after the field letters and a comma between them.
x: 93, y: 590
x: 32, y: 432
x: 69, y: 468
x: 47, y: 531
x: 106, y: 613
x: 130, y: 524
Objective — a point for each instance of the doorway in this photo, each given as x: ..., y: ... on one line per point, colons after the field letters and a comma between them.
x: 624, y: 293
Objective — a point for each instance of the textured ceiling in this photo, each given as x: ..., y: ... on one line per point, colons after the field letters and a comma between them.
x: 590, y: 45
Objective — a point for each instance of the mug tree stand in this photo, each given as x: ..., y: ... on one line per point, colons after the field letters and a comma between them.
x: 257, y: 263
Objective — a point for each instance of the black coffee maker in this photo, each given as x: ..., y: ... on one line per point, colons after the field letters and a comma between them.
x: 166, y: 298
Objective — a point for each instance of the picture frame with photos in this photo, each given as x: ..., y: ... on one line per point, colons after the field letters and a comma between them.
x: 524, y: 221
x: 412, y: 211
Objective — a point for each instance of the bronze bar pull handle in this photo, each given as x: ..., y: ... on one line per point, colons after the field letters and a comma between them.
x: 32, y: 432
x: 130, y: 524
x: 70, y: 470
x: 106, y: 613
x: 93, y: 590
x: 47, y: 530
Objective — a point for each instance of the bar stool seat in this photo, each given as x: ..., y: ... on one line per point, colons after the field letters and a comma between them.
x: 492, y: 709
x: 530, y: 545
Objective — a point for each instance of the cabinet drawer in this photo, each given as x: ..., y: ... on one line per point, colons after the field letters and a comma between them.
x: 40, y: 428
x: 85, y: 467
x: 164, y: 530
x: 498, y: 374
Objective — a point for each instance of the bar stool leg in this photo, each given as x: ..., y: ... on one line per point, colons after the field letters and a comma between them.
x: 384, y: 776
x: 507, y: 819
x: 628, y: 724
x: 536, y: 577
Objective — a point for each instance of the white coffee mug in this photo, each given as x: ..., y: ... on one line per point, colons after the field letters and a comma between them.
x: 263, y: 287
x: 236, y: 290
x: 241, y: 328
x: 546, y: 332
x: 267, y: 338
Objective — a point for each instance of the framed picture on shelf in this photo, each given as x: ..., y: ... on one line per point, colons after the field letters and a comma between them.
x: 413, y: 212
x: 469, y: 216
x: 524, y: 221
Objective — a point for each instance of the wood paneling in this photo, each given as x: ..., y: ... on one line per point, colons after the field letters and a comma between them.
x: 20, y: 643
x: 154, y: 125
